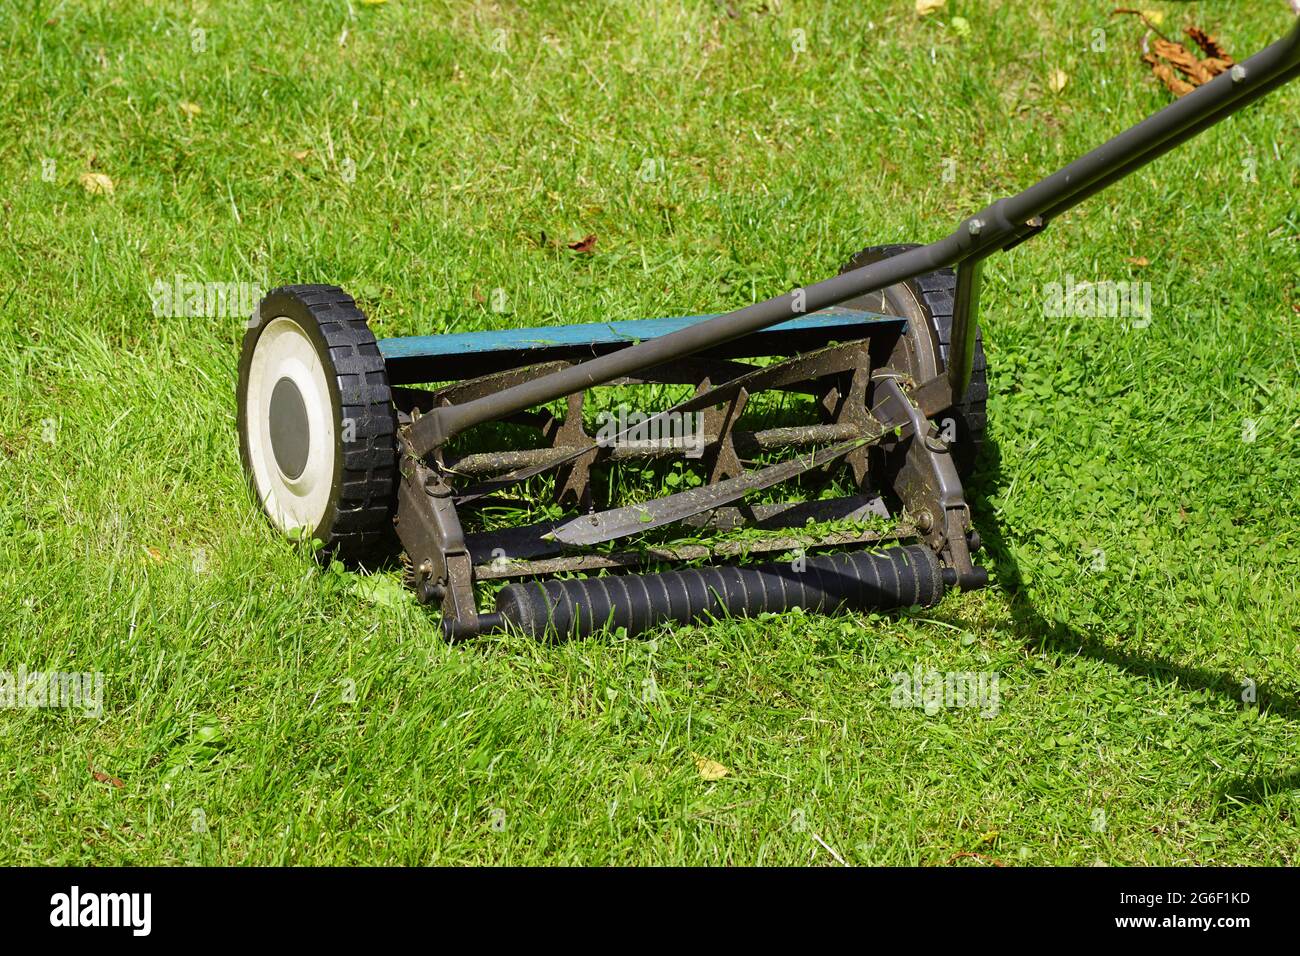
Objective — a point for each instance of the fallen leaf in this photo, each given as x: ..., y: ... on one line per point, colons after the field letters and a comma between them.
x: 1138, y: 261
x: 710, y: 769
x: 300, y: 154
x: 586, y: 245
x: 927, y: 7
x: 1057, y: 80
x: 97, y: 184
x: 1166, y: 75
x: 101, y: 777
x: 1166, y: 56
x: 1208, y: 44
x: 190, y: 109
x: 1217, y: 66
x: 1183, y: 60
x: 155, y: 555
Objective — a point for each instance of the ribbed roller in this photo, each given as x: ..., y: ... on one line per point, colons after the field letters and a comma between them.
x: 860, y: 580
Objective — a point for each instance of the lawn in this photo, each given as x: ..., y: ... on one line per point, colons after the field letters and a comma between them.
x: 1139, y: 499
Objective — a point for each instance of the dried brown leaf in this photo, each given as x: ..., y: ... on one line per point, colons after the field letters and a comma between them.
x: 1208, y: 44
x: 586, y: 245
x: 1166, y: 56
x: 1215, y: 67
x: 1182, y: 60
x: 1166, y: 75
x: 101, y: 777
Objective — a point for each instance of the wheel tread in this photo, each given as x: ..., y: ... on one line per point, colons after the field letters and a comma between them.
x: 361, y: 525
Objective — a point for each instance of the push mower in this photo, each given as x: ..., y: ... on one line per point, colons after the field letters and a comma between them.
x: 339, y: 445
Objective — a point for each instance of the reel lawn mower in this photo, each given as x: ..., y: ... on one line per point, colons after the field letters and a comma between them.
x: 338, y: 444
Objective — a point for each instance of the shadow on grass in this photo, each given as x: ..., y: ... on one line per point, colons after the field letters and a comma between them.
x: 1043, y: 634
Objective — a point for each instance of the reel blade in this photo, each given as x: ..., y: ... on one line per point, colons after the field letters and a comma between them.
x: 822, y: 362
x: 631, y: 519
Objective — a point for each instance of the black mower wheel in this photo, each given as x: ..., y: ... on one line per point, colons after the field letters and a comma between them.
x: 316, y: 421
x: 926, y: 303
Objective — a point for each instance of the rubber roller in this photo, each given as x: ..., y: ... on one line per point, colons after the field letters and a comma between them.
x: 859, y: 580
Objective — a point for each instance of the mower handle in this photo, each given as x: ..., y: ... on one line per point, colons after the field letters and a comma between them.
x: 998, y: 226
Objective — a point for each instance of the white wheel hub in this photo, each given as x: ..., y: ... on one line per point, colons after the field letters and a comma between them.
x: 290, y: 427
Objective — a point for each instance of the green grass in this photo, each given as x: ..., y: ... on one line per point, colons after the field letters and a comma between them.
x: 128, y: 544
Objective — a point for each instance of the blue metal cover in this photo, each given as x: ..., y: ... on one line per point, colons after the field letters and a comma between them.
x: 602, y: 333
